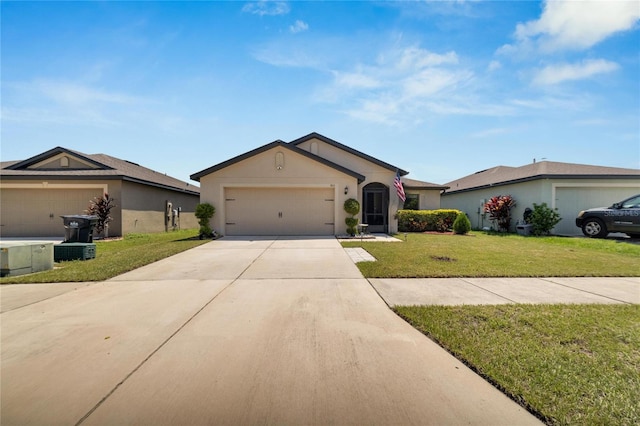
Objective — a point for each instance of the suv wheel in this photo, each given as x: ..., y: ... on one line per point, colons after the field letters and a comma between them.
x: 594, y: 228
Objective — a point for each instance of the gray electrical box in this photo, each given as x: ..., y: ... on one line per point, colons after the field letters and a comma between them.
x: 25, y: 257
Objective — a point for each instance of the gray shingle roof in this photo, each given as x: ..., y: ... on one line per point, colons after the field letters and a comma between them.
x: 503, y: 175
x: 418, y: 184
x: 107, y: 167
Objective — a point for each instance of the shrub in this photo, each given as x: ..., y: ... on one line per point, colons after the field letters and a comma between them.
x: 543, y: 219
x: 426, y: 220
x: 101, y: 207
x: 204, y: 212
x: 499, y: 209
x: 352, y: 207
x: 410, y: 204
x: 462, y: 224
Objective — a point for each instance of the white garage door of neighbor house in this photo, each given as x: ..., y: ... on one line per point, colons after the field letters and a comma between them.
x: 36, y: 212
x: 279, y: 211
x: 570, y: 200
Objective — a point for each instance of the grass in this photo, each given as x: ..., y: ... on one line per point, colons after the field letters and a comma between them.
x: 115, y: 257
x: 569, y: 364
x: 498, y: 255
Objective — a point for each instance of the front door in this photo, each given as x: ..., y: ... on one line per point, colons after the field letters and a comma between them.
x: 376, y: 207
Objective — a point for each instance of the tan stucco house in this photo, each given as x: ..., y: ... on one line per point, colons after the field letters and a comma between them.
x: 299, y: 188
x: 566, y: 187
x: 35, y: 192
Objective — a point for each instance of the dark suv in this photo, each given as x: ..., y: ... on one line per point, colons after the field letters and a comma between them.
x: 620, y: 217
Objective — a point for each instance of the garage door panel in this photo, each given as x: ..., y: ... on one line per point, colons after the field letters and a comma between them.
x: 34, y: 212
x: 570, y: 200
x: 279, y: 211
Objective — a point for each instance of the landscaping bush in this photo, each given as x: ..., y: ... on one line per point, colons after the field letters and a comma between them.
x: 204, y: 212
x: 543, y: 219
x: 352, y: 207
x: 426, y: 220
x: 499, y: 209
x: 101, y: 207
x: 462, y: 224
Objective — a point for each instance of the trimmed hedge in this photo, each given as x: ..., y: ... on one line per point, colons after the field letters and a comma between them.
x: 426, y: 220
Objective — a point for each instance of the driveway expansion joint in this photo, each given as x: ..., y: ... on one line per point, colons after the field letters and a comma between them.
x: 148, y: 357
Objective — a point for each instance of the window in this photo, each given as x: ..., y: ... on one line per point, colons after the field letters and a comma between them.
x: 412, y: 202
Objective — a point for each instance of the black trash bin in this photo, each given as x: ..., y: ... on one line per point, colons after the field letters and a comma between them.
x: 79, y: 228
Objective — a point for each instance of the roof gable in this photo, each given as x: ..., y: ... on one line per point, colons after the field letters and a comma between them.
x: 504, y: 175
x: 59, y: 158
x: 269, y: 146
x: 50, y: 165
x: 351, y: 151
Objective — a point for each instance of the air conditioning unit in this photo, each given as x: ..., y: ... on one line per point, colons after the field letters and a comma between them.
x: 25, y: 257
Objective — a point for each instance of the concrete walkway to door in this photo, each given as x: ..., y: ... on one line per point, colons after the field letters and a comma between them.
x: 237, y: 331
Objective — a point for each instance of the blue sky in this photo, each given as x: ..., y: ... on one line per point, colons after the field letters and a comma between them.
x: 440, y: 89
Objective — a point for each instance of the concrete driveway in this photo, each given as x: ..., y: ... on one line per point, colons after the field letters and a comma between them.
x: 237, y: 331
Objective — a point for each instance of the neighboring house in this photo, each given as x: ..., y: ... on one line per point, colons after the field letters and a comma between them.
x: 566, y: 187
x: 299, y: 188
x: 34, y: 193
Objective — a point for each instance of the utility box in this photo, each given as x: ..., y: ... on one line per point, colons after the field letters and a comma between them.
x: 524, y: 229
x: 18, y: 258
x: 74, y: 251
x: 79, y: 228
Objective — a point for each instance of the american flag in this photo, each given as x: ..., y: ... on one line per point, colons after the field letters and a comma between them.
x: 399, y: 189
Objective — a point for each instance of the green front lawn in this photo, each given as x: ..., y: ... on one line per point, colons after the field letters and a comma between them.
x: 115, y: 257
x: 569, y: 364
x: 498, y: 255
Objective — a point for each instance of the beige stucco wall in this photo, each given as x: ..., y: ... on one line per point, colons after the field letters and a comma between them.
x: 139, y: 208
x: 569, y: 196
x: 261, y: 170
x: 144, y: 208
x: 427, y: 199
x: 372, y: 172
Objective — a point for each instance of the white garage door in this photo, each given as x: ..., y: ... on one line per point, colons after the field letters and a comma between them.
x: 36, y: 212
x: 570, y: 200
x: 279, y: 211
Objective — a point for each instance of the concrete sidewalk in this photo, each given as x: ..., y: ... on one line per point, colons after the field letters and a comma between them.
x: 494, y: 291
x: 237, y: 331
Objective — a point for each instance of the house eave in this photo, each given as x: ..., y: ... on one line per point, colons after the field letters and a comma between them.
x: 50, y: 178
x: 22, y: 165
x: 540, y: 177
x: 264, y: 148
x: 350, y: 150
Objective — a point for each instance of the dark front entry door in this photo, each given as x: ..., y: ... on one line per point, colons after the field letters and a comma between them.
x: 376, y: 207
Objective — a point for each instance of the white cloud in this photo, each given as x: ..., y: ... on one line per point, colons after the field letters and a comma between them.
x: 379, y: 110
x: 65, y: 103
x: 554, y: 74
x: 298, y: 27
x: 413, y: 58
x: 77, y: 94
x: 267, y: 7
x: 430, y: 82
x: 576, y: 25
x: 488, y: 133
x: 493, y: 66
x: 356, y: 80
